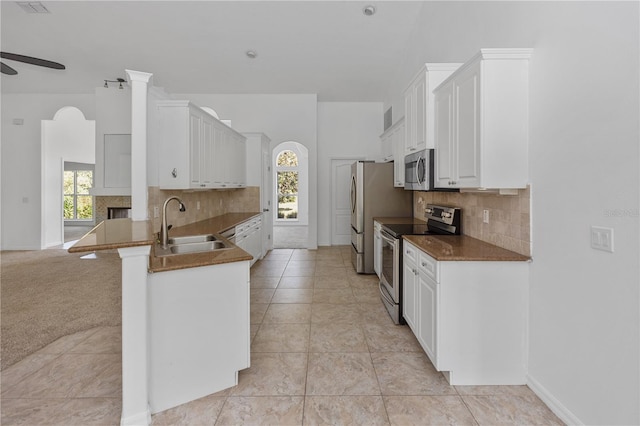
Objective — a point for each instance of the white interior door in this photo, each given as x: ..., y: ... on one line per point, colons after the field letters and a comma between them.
x: 340, y: 203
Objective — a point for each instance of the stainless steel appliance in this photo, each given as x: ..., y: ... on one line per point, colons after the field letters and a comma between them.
x: 440, y: 221
x: 419, y: 170
x: 373, y: 194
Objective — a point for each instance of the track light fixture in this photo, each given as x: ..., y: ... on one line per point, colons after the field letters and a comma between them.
x: 118, y: 80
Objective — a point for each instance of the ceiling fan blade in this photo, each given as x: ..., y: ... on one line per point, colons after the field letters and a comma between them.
x: 6, y: 69
x: 31, y: 60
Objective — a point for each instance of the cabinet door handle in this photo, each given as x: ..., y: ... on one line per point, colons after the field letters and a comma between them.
x: 174, y: 173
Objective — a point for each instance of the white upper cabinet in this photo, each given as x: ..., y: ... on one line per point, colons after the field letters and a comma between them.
x: 398, y: 154
x: 482, y: 122
x: 418, y: 104
x: 197, y: 150
x: 393, y: 150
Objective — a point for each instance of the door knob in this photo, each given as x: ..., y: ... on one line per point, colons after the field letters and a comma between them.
x: 265, y: 210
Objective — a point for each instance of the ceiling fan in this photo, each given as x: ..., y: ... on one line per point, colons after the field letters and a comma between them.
x: 6, y: 69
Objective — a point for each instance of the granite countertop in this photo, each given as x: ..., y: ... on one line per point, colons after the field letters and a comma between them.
x: 115, y: 234
x: 462, y: 248
x: 399, y: 221
x: 122, y: 233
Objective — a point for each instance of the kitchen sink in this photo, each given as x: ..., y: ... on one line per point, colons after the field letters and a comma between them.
x: 192, y: 239
x: 197, y: 247
x: 192, y: 244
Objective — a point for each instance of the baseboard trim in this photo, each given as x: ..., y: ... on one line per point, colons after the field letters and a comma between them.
x: 553, y: 403
x: 138, y: 419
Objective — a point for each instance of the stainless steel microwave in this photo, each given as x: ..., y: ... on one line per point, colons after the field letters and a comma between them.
x: 418, y: 171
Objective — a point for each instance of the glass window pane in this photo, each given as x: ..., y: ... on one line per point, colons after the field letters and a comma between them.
x: 288, y: 207
x: 287, y: 158
x: 68, y: 182
x: 68, y: 207
x: 287, y: 182
x: 85, y: 207
x: 85, y: 181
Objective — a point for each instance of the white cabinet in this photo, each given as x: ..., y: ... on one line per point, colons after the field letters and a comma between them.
x: 418, y: 104
x: 229, y: 158
x: 198, y: 332
x: 248, y: 236
x: 427, y: 299
x: 393, y: 150
x: 482, y: 122
x: 409, y: 285
x: 386, y: 140
x: 468, y: 316
x: 197, y: 150
x: 377, y: 248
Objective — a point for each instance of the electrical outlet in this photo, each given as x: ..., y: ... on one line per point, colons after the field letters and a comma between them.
x: 156, y: 211
x: 197, y: 205
x: 602, y: 238
x: 485, y: 216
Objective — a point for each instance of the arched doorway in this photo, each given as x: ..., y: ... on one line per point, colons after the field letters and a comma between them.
x: 68, y: 138
x: 291, y: 195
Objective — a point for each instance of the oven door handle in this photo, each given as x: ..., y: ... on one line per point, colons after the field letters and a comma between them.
x: 388, y: 239
x: 383, y: 293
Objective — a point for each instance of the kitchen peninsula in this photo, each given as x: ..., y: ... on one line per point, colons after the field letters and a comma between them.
x: 185, y: 318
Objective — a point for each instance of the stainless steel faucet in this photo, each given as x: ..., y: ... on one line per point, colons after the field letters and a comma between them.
x: 164, y: 228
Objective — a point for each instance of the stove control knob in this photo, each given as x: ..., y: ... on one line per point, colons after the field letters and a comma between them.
x: 428, y: 211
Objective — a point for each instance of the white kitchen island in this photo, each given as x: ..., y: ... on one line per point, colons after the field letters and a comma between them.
x: 198, y: 332
x: 185, y: 319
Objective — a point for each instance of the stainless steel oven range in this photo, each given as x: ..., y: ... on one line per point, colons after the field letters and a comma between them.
x: 440, y: 221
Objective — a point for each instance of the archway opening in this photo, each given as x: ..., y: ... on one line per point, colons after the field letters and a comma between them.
x: 68, y: 144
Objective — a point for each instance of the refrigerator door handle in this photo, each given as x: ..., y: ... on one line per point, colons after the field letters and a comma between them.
x: 353, y: 194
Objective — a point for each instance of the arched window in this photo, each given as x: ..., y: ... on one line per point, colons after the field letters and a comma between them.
x: 287, y: 174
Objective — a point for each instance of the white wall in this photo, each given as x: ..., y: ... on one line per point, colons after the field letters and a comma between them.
x: 345, y: 130
x: 113, y: 117
x: 584, y: 304
x: 282, y: 117
x: 21, y: 175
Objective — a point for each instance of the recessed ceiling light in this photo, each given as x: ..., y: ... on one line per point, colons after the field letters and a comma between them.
x: 251, y: 54
x: 369, y: 10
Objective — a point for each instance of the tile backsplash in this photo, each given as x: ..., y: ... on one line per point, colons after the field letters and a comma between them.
x: 212, y: 203
x: 509, y: 216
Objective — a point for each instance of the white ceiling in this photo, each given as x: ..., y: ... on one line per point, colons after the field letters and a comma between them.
x: 330, y: 48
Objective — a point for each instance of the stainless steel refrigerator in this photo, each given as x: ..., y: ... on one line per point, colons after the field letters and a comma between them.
x: 373, y: 195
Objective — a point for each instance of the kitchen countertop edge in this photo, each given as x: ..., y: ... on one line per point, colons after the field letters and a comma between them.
x: 463, y: 248
x: 124, y: 233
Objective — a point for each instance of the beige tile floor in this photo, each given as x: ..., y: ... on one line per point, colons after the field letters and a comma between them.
x: 324, y: 351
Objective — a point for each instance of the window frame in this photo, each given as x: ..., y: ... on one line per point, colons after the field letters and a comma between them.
x: 75, y: 195
x: 295, y: 169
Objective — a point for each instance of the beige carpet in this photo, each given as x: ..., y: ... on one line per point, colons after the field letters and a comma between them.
x: 48, y: 294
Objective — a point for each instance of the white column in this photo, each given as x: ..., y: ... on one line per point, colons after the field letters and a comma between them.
x: 138, y: 81
x: 135, y: 393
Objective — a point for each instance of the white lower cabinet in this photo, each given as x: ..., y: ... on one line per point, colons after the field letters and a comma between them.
x: 409, y: 288
x: 249, y: 238
x: 468, y: 316
x: 198, y: 323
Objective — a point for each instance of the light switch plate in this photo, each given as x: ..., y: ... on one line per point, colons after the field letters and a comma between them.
x: 602, y: 238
